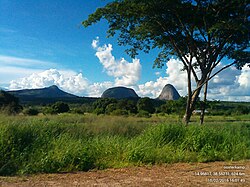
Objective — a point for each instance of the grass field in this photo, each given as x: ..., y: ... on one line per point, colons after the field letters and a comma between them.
x: 64, y: 143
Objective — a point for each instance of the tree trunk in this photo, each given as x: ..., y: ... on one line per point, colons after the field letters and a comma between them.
x: 203, y: 104
x: 188, y: 112
x: 191, y: 101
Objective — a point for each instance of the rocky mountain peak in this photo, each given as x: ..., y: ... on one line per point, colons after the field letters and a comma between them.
x: 119, y: 93
x: 169, y: 93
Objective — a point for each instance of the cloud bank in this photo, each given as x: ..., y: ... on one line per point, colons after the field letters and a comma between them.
x: 230, y: 84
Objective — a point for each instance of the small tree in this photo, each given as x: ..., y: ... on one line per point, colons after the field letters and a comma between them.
x: 58, y: 107
x: 100, y: 105
x: 199, y: 32
x: 145, y: 104
x: 9, y: 103
x: 31, y: 111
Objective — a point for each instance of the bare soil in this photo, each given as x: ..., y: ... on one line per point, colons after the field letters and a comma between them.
x: 179, y: 174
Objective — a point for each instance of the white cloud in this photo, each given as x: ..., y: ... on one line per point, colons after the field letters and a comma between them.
x: 244, y: 78
x: 125, y: 73
x: 157, y: 73
x: 230, y: 84
x: 24, y: 62
x: 96, y: 89
x: 70, y: 81
x: 174, y: 76
x: 95, y: 43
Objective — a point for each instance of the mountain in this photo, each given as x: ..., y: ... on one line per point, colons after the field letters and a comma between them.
x: 48, y: 95
x: 48, y: 92
x: 119, y: 93
x: 3, y: 89
x: 169, y: 93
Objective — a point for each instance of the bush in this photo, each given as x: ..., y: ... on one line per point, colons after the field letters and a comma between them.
x: 100, y: 105
x: 58, y: 107
x: 145, y: 104
x: 31, y: 111
x: 143, y: 113
x: 9, y: 104
x: 119, y: 112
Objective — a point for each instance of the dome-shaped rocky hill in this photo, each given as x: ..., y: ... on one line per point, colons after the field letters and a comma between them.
x: 119, y: 93
x: 169, y: 93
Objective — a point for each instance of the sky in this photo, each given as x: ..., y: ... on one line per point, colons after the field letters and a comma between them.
x: 43, y: 43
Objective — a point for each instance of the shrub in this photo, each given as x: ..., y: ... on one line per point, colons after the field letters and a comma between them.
x: 119, y: 112
x: 145, y: 104
x: 9, y: 104
x: 101, y: 105
x: 31, y: 111
x: 143, y: 113
x: 58, y: 107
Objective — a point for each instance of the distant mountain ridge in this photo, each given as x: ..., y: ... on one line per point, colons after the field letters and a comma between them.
x: 53, y: 94
x: 48, y: 92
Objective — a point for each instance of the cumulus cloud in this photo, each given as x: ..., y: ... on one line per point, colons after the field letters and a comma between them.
x: 230, y: 84
x: 173, y: 76
x: 68, y: 81
x: 96, y: 89
x: 125, y: 73
x: 244, y: 78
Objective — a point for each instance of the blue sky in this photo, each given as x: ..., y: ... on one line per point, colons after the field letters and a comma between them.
x: 43, y: 43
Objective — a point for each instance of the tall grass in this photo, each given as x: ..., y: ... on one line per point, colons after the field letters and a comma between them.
x: 80, y: 143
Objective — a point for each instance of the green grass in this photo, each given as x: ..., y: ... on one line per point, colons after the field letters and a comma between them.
x: 65, y: 143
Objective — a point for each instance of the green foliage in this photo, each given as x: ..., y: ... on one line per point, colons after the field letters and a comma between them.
x: 143, y: 113
x: 119, y: 112
x: 114, y: 106
x: 58, y: 107
x: 169, y: 25
x: 227, y: 108
x: 100, y: 105
x: 145, y: 104
x: 67, y: 142
x: 201, y: 29
x: 9, y: 104
x: 31, y: 111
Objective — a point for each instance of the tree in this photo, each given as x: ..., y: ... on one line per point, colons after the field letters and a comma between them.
x: 9, y: 103
x: 145, y: 104
x: 101, y: 105
x: 199, y: 32
x: 58, y: 107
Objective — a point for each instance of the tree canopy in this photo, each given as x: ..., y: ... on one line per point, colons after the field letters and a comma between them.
x: 9, y: 103
x: 199, y: 32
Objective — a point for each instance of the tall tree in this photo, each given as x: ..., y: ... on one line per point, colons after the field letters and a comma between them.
x: 199, y: 32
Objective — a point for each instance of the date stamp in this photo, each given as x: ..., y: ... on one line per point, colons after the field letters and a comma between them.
x: 226, y: 180
x: 227, y: 174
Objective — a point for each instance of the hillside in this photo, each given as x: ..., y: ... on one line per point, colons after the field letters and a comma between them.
x: 48, y: 95
x: 169, y: 93
x: 48, y: 92
x: 119, y: 93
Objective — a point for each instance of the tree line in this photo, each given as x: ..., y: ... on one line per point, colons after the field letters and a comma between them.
x: 142, y: 107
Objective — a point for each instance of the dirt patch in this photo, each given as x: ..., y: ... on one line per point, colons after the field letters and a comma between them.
x: 180, y: 174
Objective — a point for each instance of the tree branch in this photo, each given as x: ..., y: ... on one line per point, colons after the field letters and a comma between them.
x: 209, y: 78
